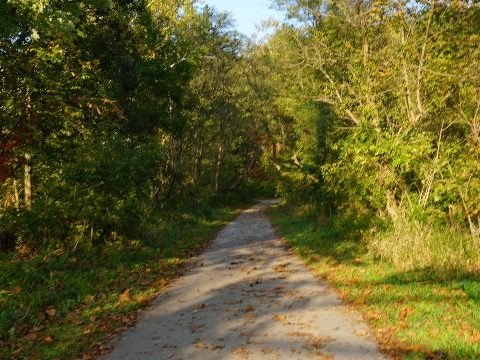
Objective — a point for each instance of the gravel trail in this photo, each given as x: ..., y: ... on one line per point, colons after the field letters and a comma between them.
x: 247, y: 297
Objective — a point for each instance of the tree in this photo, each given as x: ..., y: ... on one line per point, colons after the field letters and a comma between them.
x: 393, y: 75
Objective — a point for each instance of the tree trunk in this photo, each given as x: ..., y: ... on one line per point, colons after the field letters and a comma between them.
x: 28, y: 181
x: 17, y: 195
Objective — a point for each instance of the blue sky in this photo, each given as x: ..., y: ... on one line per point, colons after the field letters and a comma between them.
x: 246, y: 13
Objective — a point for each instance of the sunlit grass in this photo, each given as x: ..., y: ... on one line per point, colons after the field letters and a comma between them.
x: 422, y: 313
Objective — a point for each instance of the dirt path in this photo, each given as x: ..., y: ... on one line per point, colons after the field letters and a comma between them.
x: 247, y: 297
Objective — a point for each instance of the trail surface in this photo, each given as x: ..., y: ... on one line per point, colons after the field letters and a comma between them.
x: 247, y: 297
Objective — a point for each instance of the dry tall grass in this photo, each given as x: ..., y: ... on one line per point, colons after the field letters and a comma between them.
x: 414, y: 245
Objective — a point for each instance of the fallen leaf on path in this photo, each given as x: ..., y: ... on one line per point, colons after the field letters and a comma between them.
x: 209, y: 346
x: 240, y: 351
x: 270, y: 351
x: 194, y: 328
x: 281, y: 268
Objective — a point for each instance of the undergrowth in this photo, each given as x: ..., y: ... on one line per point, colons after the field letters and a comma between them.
x: 415, y: 311
x: 64, y: 305
x: 413, y: 245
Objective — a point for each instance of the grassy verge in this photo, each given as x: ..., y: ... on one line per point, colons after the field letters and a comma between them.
x: 66, y: 305
x: 416, y: 314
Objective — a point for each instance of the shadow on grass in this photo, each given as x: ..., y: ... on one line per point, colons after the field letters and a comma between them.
x: 429, y: 313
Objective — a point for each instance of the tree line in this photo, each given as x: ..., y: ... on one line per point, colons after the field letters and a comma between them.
x: 384, y: 102
x: 115, y: 113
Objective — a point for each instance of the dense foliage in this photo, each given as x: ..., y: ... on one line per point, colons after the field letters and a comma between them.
x: 117, y: 116
x: 384, y: 100
x: 113, y: 112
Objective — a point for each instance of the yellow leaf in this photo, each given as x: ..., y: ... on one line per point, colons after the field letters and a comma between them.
x: 402, y: 324
x: 48, y: 339
x: 124, y: 295
x: 51, y: 312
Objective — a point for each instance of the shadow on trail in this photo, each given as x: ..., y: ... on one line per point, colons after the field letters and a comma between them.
x: 246, y: 297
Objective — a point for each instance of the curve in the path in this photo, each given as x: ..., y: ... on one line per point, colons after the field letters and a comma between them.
x: 247, y: 297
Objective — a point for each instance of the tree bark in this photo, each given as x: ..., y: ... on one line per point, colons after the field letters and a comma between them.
x: 17, y: 195
x: 28, y: 181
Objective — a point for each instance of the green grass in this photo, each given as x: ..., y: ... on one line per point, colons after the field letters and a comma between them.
x: 417, y: 314
x: 67, y: 305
